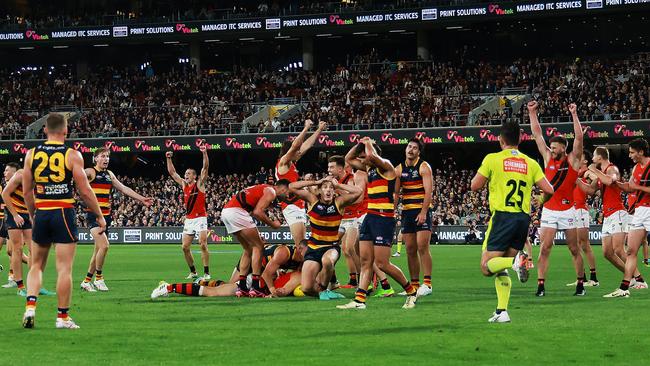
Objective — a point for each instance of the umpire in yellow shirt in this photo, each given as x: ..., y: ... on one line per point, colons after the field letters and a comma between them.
x: 511, y: 176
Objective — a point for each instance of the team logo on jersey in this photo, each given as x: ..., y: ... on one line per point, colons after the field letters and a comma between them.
x: 331, y: 209
x: 415, y: 174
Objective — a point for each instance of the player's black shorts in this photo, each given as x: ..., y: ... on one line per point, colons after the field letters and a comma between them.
x: 91, y: 221
x: 506, y: 230
x: 316, y: 255
x: 377, y: 229
x: 11, y: 224
x: 410, y: 226
x: 3, y: 230
x: 55, y: 226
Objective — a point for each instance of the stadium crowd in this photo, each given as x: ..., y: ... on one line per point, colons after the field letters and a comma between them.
x: 370, y: 92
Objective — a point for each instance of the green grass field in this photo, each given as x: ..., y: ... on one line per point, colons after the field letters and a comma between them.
x: 124, y: 326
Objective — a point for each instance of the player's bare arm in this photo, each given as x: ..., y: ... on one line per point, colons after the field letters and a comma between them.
x: 350, y: 197
x: 147, y: 201
x: 90, y: 174
x: 547, y: 190
x: 588, y: 188
x: 172, y: 170
x: 478, y: 182
x: 575, y: 160
x: 536, y: 128
x: 203, y: 179
x: 280, y: 257
x: 298, y: 189
x: 309, y: 142
x: 398, y: 186
x: 384, y: 166
x: 427, y: 181
x: 259, y: 212
x: 294, y: 151
x: 28, y: 181
x: 609, y: 177
x: 76, y: 163
x: 10, y: 188
x: 351, y: 158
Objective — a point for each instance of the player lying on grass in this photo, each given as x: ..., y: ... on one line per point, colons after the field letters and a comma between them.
x: 285, y: 285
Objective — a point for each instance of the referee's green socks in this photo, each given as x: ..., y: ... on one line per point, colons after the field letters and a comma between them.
x: 498, y: 264
x: 502, y: 283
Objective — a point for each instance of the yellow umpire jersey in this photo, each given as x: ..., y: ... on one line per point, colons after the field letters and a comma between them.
x: 511, y: 176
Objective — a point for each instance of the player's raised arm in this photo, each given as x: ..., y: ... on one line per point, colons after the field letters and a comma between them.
x: 293, y: 154
x: 384, y: 166
x: 578, y: 140
x: 537, y: 132
x: 259, y: 212
x: 76, y: 162
x: 147, y: 201
x: 311, y: 140
x: 298, y: 189
x: 204, y: 169
x: 10, y: 188
x: 398, y: 186
x: 172, y: 171
x: 352, y: 155
x: 280, y: 257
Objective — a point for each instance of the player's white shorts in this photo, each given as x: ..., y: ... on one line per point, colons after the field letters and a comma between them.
x: 195, y: 226
x: 361, y: 218
x: 640, y: 219
x: 560, y: 220
x: 294, y: 214
x: 236, y: 219
x: 352, y: 223
x: 582, y: 219
x: 616, y: 223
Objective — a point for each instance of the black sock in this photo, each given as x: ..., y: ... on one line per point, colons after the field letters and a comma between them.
x: 639, y: 278
x: 592, y: 274
x: 242, y: 283
x: 206, y: 270
x: 353, y: 279
x: 62, y: 313
x: 256, y: 282
x: 540, y: 283
x: 192, y: 269
x: 384, y: 284
x: 625, y: 285
x: 333, y: 279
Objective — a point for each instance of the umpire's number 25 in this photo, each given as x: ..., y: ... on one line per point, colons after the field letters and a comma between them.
x: 515, y: 187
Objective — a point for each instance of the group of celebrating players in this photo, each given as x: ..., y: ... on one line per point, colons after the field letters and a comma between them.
x: 351, y: 210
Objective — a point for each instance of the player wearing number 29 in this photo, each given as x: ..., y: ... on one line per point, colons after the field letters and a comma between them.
x: 511, y: 176
x: 48, y: 176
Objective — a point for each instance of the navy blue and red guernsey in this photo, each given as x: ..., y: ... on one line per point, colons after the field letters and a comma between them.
x: 412, y: 186
x: 18, y: 199
x: 563, y: 178
x: 641, y: 176
x: 194, y: 201
x: 292, y: 176
x: 52, y: 176
x: 380, y: 194
x: 352, y: 211
x: 291, y: 265
x: 102, y: 186
x: 324, y: 220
